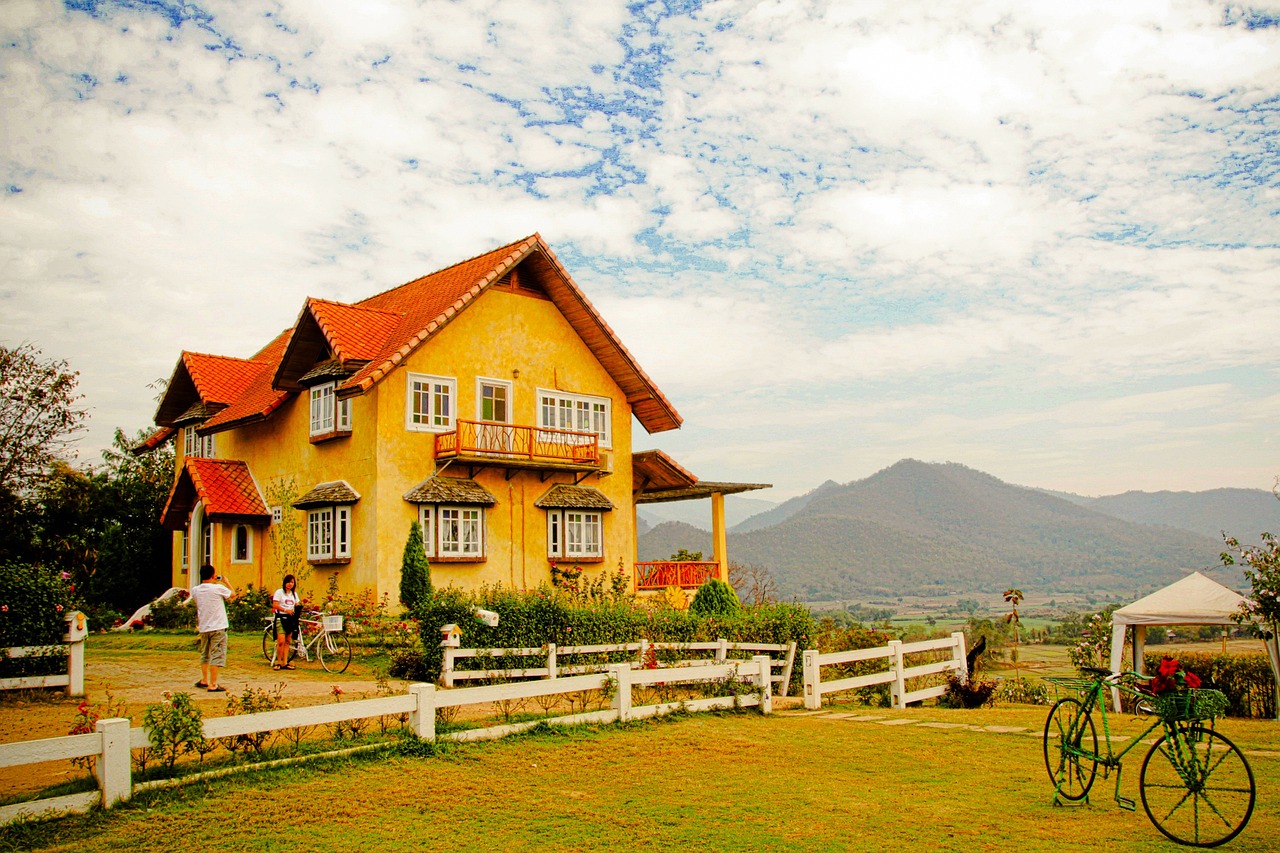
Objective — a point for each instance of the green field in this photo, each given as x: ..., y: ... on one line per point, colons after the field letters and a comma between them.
x: 711, y: 782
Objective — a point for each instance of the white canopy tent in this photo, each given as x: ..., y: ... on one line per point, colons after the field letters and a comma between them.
x: 1194, y: 600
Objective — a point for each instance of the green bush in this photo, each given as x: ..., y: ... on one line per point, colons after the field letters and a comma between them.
x: 33, y: 606
x: 415, y: 571
x: 535, y: 618
x: 1246, y: 680
x: 248, y: 610
x: 715, y: 598
x: 173, y: 614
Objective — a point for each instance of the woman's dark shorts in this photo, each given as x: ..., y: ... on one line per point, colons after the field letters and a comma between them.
x: 286, y: 622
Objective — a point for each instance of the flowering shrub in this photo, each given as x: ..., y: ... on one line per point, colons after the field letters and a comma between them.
x: 1094, y: 646
x: 1245, y: 679
x: 1262, y: 569
x: 33, y: 604
x: 1170, y: 676
x: 85, y: 722
x: 176, y: 726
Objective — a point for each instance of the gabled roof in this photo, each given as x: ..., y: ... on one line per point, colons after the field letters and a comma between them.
x: 156, y: 439
x: 203, y: 383
x: 348, y: 334
x: 259, y: 399
x: 657, y: 478
x: 224, y: 485
x: 428, y: 304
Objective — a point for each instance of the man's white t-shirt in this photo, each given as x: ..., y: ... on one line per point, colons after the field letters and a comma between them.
x: 211, y: 607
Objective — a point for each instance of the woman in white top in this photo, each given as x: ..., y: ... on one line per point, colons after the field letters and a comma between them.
x: 284, y: 606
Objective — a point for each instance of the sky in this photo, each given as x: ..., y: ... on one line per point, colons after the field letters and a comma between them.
x: 1041, y: 239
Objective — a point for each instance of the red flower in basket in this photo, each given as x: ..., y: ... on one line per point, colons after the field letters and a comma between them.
x: 1170, y: 676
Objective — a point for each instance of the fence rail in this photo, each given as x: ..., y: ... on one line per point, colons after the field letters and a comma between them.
x: 111, y: 743
x: 551, y: 654
x: 73, y: 678
x: 896, y: 675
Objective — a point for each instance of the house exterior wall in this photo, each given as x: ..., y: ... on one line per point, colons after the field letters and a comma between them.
x: 502, y: 335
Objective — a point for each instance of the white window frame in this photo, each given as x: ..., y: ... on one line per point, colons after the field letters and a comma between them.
x: 248, y: 547
x: 433, y: 389
x: 575, y: 534
x: 277, y: 514
x: 483, y: 382
x: 342, y: 421
x: 456, y: 531
x: 186, y: 552
x: 576, y: 413
x: 197, y: 446
x: 329, y: 533
x: 322, y: 414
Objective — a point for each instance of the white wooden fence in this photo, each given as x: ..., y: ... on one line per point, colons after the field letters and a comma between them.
x: 73, y: 678
x: 111, y: 743
x: 491, y: 660
x: 896, y: 676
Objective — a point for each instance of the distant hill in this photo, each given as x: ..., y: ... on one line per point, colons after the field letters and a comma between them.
x: 917, y: 527
x: 737, y: 508
x: 1242, y: 513
x: 784, y: 510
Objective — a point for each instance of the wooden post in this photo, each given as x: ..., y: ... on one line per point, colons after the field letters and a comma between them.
x: 621, y: 675
x: 898, y: 687
x: 113, y: 768
x: 786, y: 670
x: 764, y: 680
x: 551, y: 661
x: 644, y: 651
x: 446, y: 671
x: 812, y: 681
x: 958, y: 654
x: 77, y: 633
x: 722, y: 650
x: 719, y: 536
x: 422, y: 720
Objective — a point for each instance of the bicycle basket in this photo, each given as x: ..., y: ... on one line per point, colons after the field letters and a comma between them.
x: 333, y: 623
x: 1190, y: 705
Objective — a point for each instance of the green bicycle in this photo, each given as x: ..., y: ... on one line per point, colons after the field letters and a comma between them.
x: 1195, y: 784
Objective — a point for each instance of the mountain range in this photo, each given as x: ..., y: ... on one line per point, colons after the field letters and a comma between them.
x: 926, y: 528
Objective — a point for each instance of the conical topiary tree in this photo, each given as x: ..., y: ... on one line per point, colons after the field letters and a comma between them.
x: 415, y: 571
x: 715, y: 598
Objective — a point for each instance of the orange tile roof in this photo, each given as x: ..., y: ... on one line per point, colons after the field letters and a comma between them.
x: 225, y: 486
x: 353, y: 332
x: 259, y: 399
x: 218, y: 378
x: 154, y: 440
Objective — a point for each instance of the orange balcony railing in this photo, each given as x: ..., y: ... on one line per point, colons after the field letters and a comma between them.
x: 518, y: 443
x: 664, y: 573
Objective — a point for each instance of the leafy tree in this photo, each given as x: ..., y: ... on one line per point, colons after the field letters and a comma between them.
x: 1014, y: 598
x: 415, y: 571
x: 38, y: 415
x: 1263, y: 573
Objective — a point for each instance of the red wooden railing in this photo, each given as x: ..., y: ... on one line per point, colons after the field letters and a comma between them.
x: 664, y: 573
x: 512, y: 441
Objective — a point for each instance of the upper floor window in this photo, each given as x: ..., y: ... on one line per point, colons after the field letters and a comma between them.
x: 431, y: 403
x: 493, y: 400
x: 575, y: 413
x: 195, y: 445
x: 329, y: 415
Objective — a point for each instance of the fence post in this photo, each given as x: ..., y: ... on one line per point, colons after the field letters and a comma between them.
x: 551, y: 661
x: 722, y: 650
x: 422, y: 720
x: 959, y: 654
x: 898, y: 687
x: 644, y: 651
x: 621, y: 675
x: 786, y: 670
x: 114, y: 770
x: 812, y: 680
x: 77, y: 633
x: 446, y: 671
x: 764, y: 680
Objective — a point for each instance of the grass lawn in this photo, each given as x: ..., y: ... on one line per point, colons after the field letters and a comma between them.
x: 710, y: 782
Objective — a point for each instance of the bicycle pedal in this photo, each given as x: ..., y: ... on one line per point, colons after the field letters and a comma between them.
x: 1126, y: 804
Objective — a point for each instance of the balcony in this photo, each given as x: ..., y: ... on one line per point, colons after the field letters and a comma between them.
x: 483, y: 443
x: 684, y: 574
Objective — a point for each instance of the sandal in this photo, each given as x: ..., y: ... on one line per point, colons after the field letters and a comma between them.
x: 276, y: 666
x: 288, y: 666
x: 201, y: 684
x: 217, y: 690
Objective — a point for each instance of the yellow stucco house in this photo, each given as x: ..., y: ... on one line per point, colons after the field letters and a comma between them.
x: 489, y: 401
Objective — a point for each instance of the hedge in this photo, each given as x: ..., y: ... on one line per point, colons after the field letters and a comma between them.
x: 1246, y: 680
x: 534, y: 619
x: 34, y: 602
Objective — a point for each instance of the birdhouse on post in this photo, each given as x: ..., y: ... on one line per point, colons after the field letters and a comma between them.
x: 450, y: 636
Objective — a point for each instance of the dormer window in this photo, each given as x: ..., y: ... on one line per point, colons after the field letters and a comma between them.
x: 330, y: 417
x: 197, y: 446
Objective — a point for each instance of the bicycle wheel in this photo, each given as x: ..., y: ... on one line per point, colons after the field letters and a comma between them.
x: 334, y: 651
x: 269, y: 646
x: 1197, y: 787
x: 1070, y: 742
